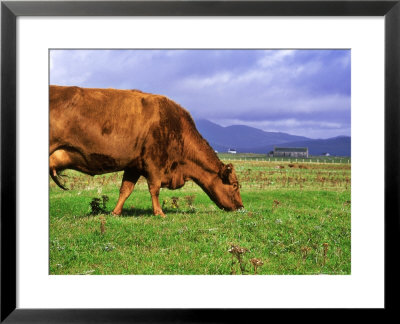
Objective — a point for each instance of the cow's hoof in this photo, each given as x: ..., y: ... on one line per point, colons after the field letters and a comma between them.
x: 160, y: 213
x: 115, y: 213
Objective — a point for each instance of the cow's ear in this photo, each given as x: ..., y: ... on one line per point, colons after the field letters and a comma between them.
x: 225, y: 171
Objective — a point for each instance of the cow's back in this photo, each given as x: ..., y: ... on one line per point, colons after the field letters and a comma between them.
x: 102, y: 121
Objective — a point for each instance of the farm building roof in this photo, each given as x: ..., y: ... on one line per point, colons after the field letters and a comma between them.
x: 290, y: 149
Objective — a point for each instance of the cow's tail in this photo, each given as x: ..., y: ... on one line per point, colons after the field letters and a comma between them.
x: 56, y: 179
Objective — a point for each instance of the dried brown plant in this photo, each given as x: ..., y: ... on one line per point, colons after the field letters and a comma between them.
x: 237, y: 252
x: 326, y: 245
x: 102, y: 224
x: 256, y: 263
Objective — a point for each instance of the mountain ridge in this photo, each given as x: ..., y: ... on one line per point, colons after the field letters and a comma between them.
x: 247, y: 139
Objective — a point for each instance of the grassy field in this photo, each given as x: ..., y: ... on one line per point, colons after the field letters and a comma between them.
x: 266, y: 157
x: 296, y: 221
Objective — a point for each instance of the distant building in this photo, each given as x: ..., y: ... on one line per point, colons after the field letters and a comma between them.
x: 296, y: 152
x: 232, y: 151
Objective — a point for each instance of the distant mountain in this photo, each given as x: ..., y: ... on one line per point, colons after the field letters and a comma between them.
x: 247, y: 139
x: 240, y: 136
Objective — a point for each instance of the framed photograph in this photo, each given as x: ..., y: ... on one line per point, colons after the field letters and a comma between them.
x: 162, y: 159
x: 243, y: 158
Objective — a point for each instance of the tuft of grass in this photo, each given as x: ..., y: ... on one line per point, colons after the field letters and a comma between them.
x: 96, y: 208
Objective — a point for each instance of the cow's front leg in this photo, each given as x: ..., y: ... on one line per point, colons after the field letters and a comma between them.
x: 128, y: 183
x: 154, y: 188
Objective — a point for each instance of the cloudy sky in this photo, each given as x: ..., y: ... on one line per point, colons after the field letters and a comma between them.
x: 301, y: 92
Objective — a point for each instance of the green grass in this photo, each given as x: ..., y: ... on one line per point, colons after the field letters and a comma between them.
x: 296, y: 220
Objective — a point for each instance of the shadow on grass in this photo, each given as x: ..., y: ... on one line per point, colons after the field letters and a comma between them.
x: 141, y: 212
x: 138, y: 212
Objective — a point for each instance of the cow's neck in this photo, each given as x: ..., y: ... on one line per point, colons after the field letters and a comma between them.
x: 204, y: 165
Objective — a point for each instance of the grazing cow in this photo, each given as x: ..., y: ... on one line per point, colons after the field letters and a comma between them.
x: 96, y: 131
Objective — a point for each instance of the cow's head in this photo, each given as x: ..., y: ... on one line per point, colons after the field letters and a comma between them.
x: 226, y: 189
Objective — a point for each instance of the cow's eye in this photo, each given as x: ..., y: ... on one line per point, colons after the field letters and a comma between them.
x: 235, y: 186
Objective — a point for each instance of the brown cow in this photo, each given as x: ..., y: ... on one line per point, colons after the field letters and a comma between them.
x: 97, y: 131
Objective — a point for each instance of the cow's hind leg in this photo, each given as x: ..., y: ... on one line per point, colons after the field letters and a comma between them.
x: 154, y: 188
x: 128, y: 183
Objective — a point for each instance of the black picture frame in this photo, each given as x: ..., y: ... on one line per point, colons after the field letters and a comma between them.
x: 10, y: 10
